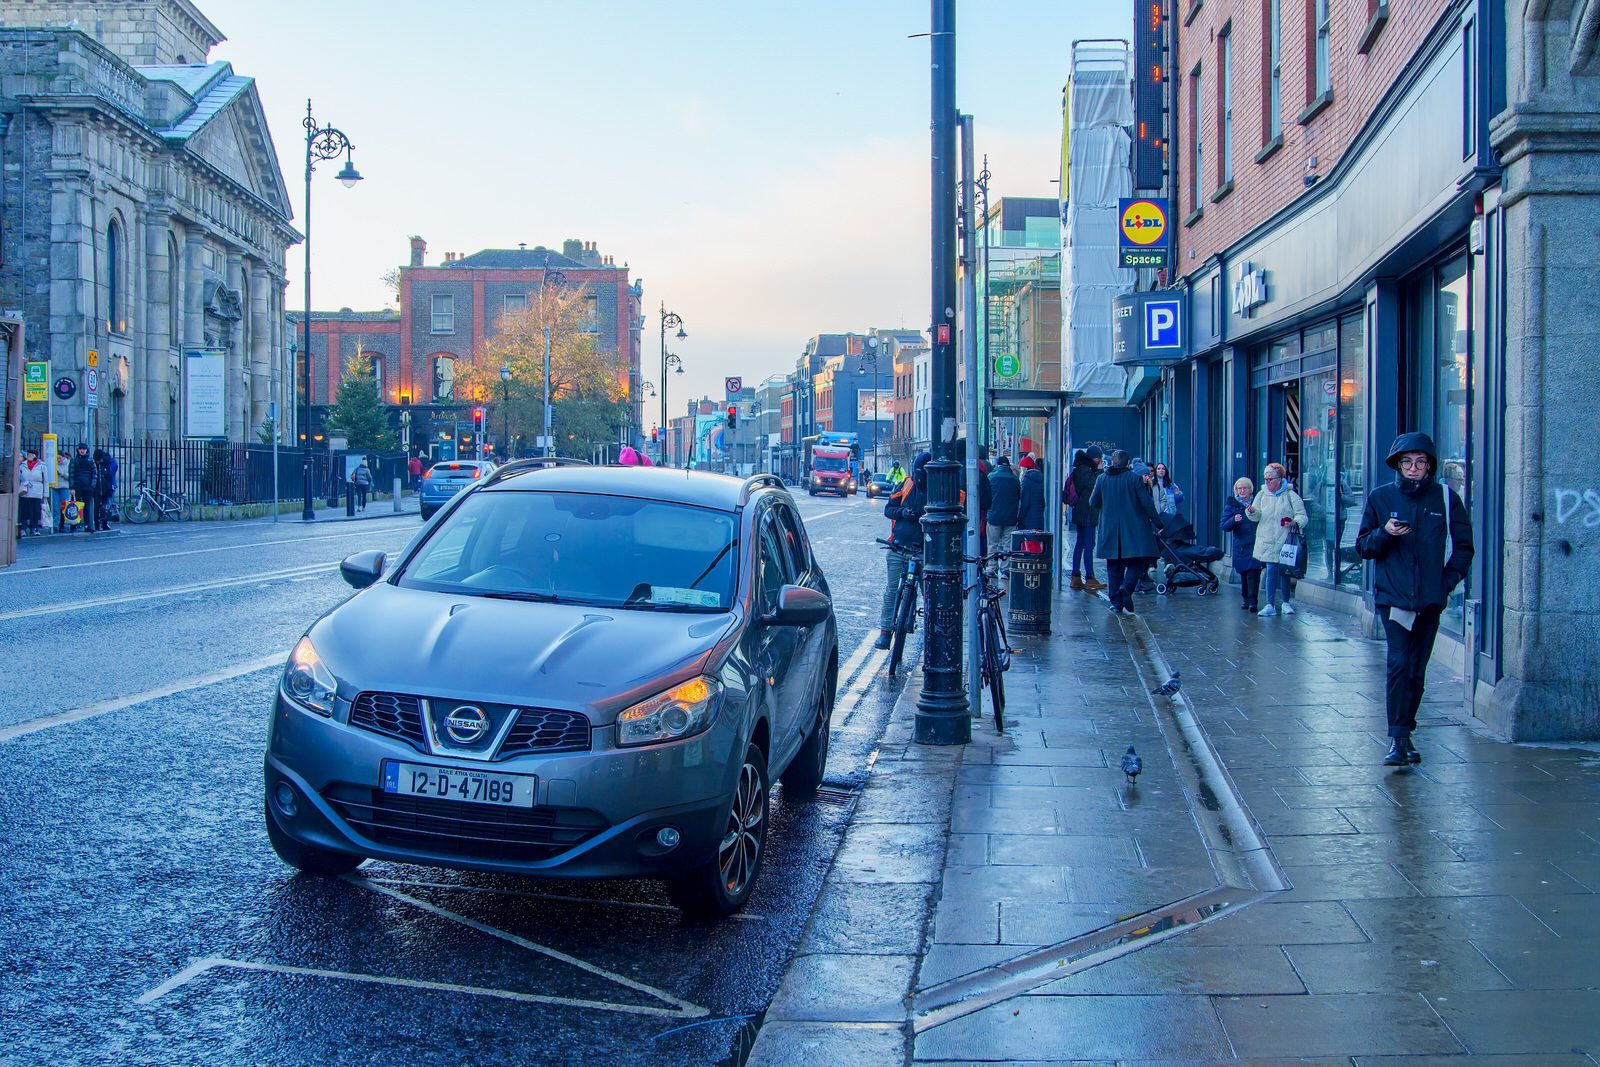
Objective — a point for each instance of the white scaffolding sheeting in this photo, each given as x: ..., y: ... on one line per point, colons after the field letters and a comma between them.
x: 1099, y: 139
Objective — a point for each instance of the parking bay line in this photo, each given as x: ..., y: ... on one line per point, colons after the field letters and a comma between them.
x: 639, y: 905
x: 52, y: 568
x: 45, y: 722
x: 310, y: 570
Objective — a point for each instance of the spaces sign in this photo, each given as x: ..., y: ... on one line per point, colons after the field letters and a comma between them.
x: 1143, y: 237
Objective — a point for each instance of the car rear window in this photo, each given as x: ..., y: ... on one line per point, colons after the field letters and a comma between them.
x: 582, y: 548
x: 454, y: 470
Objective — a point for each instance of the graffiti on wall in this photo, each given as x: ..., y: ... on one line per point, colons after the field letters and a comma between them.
x: 1572, y: 505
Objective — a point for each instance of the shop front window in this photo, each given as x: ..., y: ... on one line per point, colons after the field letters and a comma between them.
x: 1451, y: 397
x: 1352, y: 444
x: 1318, y: 486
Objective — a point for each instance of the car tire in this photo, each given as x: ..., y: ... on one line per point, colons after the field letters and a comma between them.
x: 720, y: 884
x: 311, y: 859
x: 803, y: 776
x: 427, y: 513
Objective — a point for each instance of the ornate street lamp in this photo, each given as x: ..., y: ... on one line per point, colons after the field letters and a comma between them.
x: 322, y: 143
x: 505, y: 414
x: 669, y: 319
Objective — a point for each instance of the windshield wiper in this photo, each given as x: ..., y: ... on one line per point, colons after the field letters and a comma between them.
x: 714, y: 561
x: 537, y: 598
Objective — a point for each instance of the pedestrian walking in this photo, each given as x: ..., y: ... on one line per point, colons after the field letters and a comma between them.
x: 1006, y: 493
x: 362, y: 480
x: 83, y: 478
x: 1030, y: 510
x: 414, y: 468
x: 1237, y: 523
x: 1126, y: 534
x: 904, y: 511
x: 32, y: 480
x: 1279, y: 515
x: 1419, y: 536
x: 1086, y: 464
x: 105, y: 468
x: 1165, y: 491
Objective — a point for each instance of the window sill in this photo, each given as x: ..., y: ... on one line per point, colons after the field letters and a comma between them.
x: 1315, y: 108
x: 1222, y: 191
x: 1194, y: 216
x: 1380, y: 19
x: 1269, y: 148
x: 1194, y: 9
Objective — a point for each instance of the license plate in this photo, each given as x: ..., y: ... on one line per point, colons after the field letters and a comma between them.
x: 450, y: 783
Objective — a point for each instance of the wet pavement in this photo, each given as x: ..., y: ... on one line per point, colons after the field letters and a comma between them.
x: 147, y: 920
x: 1389, y: 916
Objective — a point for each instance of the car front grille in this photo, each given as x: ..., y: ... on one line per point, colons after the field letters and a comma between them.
x: 547, y: 730
x: 390, y: 713
x: 456, y: 828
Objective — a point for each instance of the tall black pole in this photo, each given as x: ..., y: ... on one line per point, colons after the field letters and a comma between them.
x: 942, y: 717
x: 308, y: 511
x: 664, y: 462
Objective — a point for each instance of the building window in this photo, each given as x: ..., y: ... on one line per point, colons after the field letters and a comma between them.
x: 1273, y: 51
x: 1324, y: 36
x: 1225, y: 104
x: 444, y: 378
x: 591, y: 314
x: 444, y: 313
x: 1197, y: 160
x: 116, y: 305
x: 174, y: 306
x: 1352, y: 444
x: 515, y: 302
x: 1469, y: 92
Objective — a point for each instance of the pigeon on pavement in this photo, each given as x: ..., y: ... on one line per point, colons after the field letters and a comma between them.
x: 1169, y: 687
x: 1131, y: 764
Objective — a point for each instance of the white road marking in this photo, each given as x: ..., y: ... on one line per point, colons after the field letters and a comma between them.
x: 45, y: 722
x: 685, y: 1009
x: 200, y: 967
x: 640, y: 905
x: 313, y: 569
x: 51, y: 568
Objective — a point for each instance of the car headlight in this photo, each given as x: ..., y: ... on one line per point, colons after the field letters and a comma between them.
x: 682, y: 711
x: 307, y: 680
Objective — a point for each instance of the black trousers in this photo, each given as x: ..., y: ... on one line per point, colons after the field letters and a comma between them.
x: 91, y: 513
x: 1123, y: 576
x: 1250, y: 588
x: 1409, y: 652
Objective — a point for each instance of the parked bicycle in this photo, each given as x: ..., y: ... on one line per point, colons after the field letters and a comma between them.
x: 905, y: 603
x: 994, y: 650
x: 151, y: 503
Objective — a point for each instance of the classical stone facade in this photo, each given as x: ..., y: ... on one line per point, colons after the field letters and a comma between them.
x: 145, y: 216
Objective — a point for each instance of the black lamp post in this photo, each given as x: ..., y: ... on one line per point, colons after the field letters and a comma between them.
x: 322, y: 143
x: 668, y: 319
x: 505, y: 412
x: 871, y: 360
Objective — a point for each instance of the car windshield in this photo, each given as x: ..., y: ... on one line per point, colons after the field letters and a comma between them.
x: 828, y: 463
x: 581, y: 548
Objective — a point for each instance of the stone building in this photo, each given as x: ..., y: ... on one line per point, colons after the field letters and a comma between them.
x: 145, y: 219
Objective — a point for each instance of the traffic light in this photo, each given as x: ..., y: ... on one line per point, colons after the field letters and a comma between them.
x: 477, y: 420
x: 655, y: 434
x: 733, y: 416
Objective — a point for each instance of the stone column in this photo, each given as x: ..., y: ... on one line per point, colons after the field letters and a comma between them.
x: 72, y: 306
x: 194, y: 315
x: 1549, y: 141
x: 151, y: 374
x: 236, y: 341
x: 261, y: 348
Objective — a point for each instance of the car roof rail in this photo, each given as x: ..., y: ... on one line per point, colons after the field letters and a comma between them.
x: 756, y: 482
x: 532, y: 463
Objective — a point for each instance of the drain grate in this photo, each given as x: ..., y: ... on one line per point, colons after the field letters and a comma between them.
x: 842, y: 795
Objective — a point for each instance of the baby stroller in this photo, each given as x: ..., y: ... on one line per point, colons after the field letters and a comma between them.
x: 1185, y: 561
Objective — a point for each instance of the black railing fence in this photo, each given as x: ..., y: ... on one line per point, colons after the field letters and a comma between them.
x: 227, y: 472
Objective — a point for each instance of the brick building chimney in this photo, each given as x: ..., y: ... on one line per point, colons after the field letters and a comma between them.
x: 419, y: 251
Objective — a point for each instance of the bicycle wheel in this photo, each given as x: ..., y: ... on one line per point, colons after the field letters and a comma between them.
x: 905, y: 610
x: 180, y: 510
x: 140, y: 513
x: 996, y: 675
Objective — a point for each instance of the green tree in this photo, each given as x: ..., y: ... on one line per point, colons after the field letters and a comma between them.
x: 357, y: 414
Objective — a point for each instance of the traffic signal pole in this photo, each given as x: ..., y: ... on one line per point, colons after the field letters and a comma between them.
x: 942, y: 717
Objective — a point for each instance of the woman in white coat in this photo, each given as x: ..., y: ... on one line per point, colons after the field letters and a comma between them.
x: 31, y: 482
x: 1274, y: 510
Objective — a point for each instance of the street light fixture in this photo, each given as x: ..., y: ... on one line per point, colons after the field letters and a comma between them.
x: 871, y: 360
x: 669, y: 319
x: 322, y: 143
x: 505, y: 413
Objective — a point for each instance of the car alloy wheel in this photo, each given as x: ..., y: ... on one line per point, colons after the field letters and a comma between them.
x: 739, y: 854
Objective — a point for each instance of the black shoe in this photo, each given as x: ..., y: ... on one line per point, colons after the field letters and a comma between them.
x: 1399, y: 754
x: 1412, y: 755
x: 882, y: 641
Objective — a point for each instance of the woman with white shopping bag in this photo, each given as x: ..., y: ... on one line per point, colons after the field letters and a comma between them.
x: 1419, y: 535
x: 1280, y: 518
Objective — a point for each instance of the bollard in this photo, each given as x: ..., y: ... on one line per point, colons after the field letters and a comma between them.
x: 349, y: 500
x: 1030, y: 582
x: 397, y: 496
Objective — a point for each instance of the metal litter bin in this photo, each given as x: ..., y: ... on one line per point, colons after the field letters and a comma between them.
x: 1030, y: 582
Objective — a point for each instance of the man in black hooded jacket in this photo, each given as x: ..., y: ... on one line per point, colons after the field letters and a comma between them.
x: 1419, y: 536
x: 904, y: 511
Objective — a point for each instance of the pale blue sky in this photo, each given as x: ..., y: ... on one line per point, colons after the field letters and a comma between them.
x: 762, y: 167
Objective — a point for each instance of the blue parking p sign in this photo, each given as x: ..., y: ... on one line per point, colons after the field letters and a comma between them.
x: 1163, y: 324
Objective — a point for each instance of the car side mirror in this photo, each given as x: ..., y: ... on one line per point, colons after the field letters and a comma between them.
x: 363, y: 568
x: 799, y: 606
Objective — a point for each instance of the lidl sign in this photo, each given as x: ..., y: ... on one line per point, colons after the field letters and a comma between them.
x: 1143, y: 237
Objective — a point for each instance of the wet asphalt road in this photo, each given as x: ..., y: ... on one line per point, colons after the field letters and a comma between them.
x: 145, y: 919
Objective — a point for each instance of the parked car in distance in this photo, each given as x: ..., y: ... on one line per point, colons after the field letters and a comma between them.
x: 445, y: 479
x: 574, y: 671
x: 879, y: 485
